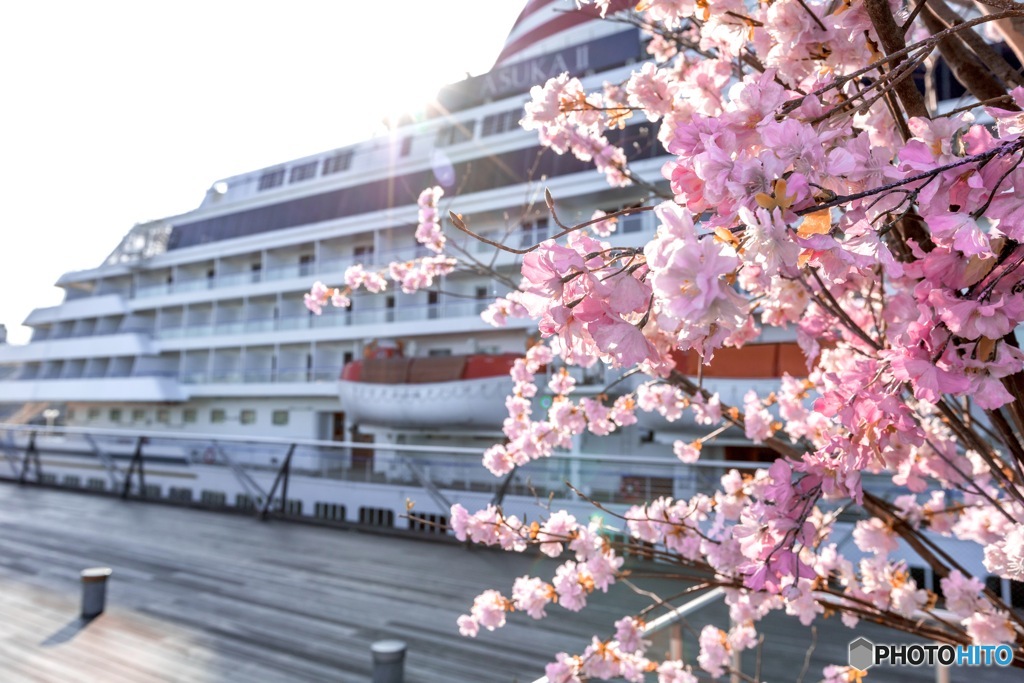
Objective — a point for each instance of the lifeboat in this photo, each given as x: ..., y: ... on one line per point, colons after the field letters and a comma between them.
x: 731, y: 374
x: 435, y: 392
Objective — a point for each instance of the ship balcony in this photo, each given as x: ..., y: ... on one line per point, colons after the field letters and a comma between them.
x: 266, y: 382
x: 628, y: 227
x: 445, y: 316
x: 85, y: 307
x: 148, y: 388
x: 93, y: 346
x: 329, y: 270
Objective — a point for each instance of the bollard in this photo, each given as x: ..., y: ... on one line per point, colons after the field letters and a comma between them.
x: 388, y: 661
x: 94, y: 590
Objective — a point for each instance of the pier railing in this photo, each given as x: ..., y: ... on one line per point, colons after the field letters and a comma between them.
x: 672, y: 622
x: 291, y: 477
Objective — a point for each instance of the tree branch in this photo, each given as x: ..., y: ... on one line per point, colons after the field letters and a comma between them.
x: 891, y: 37
x: 986, y: 54
x: 967, y: 69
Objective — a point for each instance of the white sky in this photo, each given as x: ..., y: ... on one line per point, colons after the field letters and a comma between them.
x: 114, y: 113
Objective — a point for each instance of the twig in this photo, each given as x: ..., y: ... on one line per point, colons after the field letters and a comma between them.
x: 892, y: 40
x: 807, y: 655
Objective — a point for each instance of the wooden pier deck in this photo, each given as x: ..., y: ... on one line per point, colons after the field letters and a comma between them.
x: 200, y: 597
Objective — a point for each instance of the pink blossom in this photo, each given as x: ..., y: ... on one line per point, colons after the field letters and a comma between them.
x: 629, y: 634
x: 675, y: 672
x: 623, y: 411
x: 564, y: 670
x: 873, y: 536
x: 562, y: 382
x: 836, y: 673
x: 757, y: 421
x: 532, y: 595
x: 428, y: 232
x: 962, y: 595
x: 799, y: 211
x: 652, y: 91
x: 801, y: 603
x: 606, y: 227
x: 488, y: 611
x: 714, y: 651
x: 687, y: 452
x: 357, y: 276
x: 571, y: 581
x: 990, y: 628
x: 468, y: 626
x: 558, y: 528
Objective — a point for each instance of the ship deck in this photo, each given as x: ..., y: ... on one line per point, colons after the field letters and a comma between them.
x: 200, y: 596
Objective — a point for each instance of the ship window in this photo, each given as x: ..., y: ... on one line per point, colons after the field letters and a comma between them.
x: 271, y: 179
x: 750, y: 454
x: 631, y: 222
x: 499, y: 123
x: 188, y: 415
x: 302, y: 172
x: 163, y: 415
x: 279, y: 417
x: 115, y: 414
x: 337, y: 163
x: 454, y: 133
x: 305, y: 264
x: 70, y: 415
x: 406, y: 146
x: 217, y: 415
x: 138, y: 415
x: 439, y: 352
x: 490, y: 124
x: 247, y: 417
x: 364, y: 253
x: 533, y: 232
x: 94, y: 413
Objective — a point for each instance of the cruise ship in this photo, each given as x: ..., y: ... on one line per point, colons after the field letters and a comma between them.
x: 186, y: 367
x: 195, y: 325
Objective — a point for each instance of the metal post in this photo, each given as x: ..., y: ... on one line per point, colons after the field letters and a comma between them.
x: 31, y: 455
x: 941, y: 673
x: 136, y: 461
x: 94, y: 591
x: 281, y: 473
x: 388, y: 661
x: 287, y: 469
x: 675, y: 641
x: 735, y: 662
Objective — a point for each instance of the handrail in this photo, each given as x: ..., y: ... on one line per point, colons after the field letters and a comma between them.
x: 684, y: 610
x: 203, y: 436
x: 672, y: 618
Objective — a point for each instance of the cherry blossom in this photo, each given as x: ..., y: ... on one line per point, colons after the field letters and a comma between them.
x: 811, y: 194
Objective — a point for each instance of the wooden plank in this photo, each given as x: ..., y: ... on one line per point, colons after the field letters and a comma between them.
x: 200, y: 596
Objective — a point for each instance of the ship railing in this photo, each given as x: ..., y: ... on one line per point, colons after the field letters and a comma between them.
x: 446, y: 309
x: 607, y: 479
x: 332, y: 268
x: 298, y: 373
x: 325, y: 268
